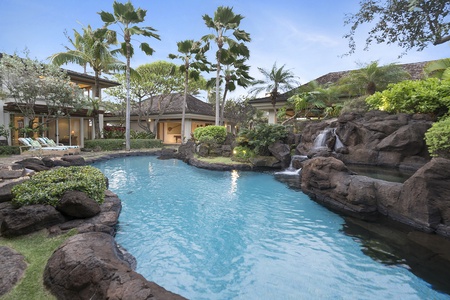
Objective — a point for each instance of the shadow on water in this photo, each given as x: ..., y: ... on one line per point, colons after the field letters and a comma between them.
x: 395, y: 244
x: 390, y: 243
x: 387, y: 174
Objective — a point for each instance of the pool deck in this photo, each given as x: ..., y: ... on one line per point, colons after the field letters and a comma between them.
x: 88, y: 156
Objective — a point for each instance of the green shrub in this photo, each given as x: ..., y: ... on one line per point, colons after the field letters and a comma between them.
x: 47, y: 187
x: 119, y: 144
x: 9, y: 150
x: 242, y: 153
x: 141, y: 135
x: 413, y: 96
x: 438, y: 138
x: 211, y: 134
x: 261, y: 137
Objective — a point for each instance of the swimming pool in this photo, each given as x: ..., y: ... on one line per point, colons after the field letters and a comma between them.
x: 244, y: 235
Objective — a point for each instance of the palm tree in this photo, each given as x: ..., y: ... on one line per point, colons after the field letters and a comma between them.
x: 372, y: 78
x: 189, y: 50
x: 91, y: 48
x: 439, y: 69
x: 225, y: 20
x: 125, y: 15
x: 235, y: 73
x: 276, y: 80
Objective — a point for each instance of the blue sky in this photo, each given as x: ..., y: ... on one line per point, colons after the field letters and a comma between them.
x: 305, y: 35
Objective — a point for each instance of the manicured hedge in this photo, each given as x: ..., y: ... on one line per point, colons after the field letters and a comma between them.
x: 9, y: 150
x: 119, y: 144
x: 47, y: 187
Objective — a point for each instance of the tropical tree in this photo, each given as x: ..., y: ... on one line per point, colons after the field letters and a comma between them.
x: 276, y: 80
x: 234, y: 74
x: 439, y: 69
x: 26, y: 81
x: 225, y: 21
x: 411, y: 24
x: 125, y: 15
x: 192, y: 55
x: 92, y: 48
x: 372, y: 78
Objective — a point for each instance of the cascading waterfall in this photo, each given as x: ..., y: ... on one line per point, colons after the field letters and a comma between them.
x: 291, y: 170
x: 321, y: 140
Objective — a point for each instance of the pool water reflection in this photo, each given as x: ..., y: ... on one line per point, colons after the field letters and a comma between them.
x: 245, y: 235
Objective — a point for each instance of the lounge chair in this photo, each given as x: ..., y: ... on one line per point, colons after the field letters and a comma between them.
x: 31, y: 145
x: 46, y: 142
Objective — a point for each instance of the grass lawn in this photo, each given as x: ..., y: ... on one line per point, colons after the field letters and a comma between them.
x: 219, y: 160
x: 37, y: 249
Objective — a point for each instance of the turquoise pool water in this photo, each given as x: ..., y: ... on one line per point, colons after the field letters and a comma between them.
x: 244, y: 235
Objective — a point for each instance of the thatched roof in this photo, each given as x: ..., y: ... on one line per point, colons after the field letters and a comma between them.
x: 173, y: 104
x: 414, y: 69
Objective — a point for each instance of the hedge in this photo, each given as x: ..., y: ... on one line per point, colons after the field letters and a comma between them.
x: 47, y: 187
x: 9, y: 150
x: 119, y: 144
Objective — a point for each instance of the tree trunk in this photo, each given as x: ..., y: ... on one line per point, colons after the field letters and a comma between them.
x: 183, y: 115
x: 127, y: 116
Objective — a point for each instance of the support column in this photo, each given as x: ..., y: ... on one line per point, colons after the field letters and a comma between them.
x: 100, y: 124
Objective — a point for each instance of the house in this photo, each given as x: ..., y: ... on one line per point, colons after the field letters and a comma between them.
x: 71, y: 129
x: 264, y: 103
x: 162, y: 114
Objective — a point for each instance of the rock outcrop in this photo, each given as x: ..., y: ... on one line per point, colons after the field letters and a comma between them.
x: 423, y: 201
x: 90, y: 266
x: 376, y: 138
x: 13, y: 266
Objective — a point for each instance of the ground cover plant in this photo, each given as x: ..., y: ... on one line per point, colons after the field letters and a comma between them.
x: 47, y: 187
x: 37, y: 249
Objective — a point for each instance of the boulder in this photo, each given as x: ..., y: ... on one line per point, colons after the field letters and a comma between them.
x: 7, y: 185
x: 186, y: 151
x: 13, y: 266
x: 425, y: 197
x: 168, y: 153
x: 265, y: 162
x: 11, y: 173
x: 29, y: 218
x: 89, y: 266
x: 282, y: 152
x: 78, y: 205
x: 74, y: 160
x: 105, y: 221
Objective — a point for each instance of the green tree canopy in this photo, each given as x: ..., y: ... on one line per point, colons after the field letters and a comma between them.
x: 371, y: 78
x: 411, y: 24
x: 230, y: 47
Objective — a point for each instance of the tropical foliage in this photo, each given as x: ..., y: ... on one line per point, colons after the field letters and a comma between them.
x: 414, y: 96
x: 438, y: 138
x: 276, y: 80
x: 372, y: 78
x: 125, y: 16
x: 261, y: 137
x: 438, y: 69
x: 193, y: 60
x: 26, y: 81
x: 225, y: 24
x: 210, y: 134
x: 47, y: 187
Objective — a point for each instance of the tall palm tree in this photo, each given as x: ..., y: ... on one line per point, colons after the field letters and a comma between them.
x: 192, y: 56
x: 225, y: 21
x: 439, y: 69
x: 92, y: 48
x: 276, y: 80
x: 125, y: 15
x: 234, y: 74
x: 372, y: 78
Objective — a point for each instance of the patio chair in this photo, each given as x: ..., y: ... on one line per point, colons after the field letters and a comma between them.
x: 46, y: 142
x: 33, y: 146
